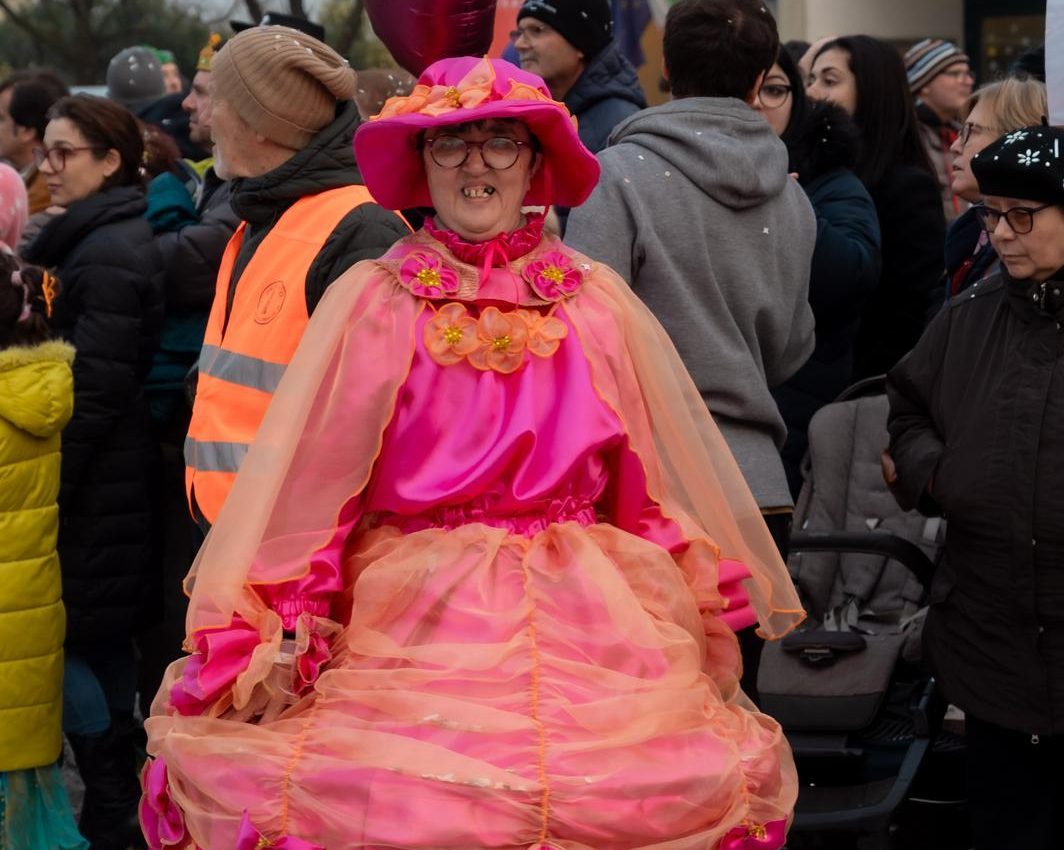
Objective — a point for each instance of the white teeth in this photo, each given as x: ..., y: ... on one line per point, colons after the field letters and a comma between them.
x: 478, y: 191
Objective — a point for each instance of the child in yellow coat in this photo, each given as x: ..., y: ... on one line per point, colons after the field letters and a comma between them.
x: 36, y: 401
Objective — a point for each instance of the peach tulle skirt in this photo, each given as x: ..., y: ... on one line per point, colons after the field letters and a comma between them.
x: 493, y: 690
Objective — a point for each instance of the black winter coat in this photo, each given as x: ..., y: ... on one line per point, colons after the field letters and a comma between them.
x: 913, y: 231
x: 977, y: 433
x: 844, y: 271
x: 111, y: 310
x: 327, y: 162
x: 191, y: 256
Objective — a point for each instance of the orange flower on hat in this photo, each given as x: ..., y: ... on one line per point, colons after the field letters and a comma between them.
x: 472, y: 90
x: 545, y: 333
x: 523, y: 91
x: 405, y: 105
x: 451, y: 334
x: 502, y: 338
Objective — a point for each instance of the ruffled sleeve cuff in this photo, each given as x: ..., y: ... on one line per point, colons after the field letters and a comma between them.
x: 254, y: 671
x: 221, y: 657
x: 738, y: 613
x: 717, y: 584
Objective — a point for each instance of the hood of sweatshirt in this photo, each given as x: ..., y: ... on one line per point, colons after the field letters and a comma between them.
x: 720, y: 144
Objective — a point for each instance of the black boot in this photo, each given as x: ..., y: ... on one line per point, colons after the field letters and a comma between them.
x: 112, y: 789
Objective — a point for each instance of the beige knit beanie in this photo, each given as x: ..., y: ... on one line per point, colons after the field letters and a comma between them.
x: 282, y: 82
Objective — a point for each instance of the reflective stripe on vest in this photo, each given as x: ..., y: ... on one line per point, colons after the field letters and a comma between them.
x: 243, y: 359
x: 240, y: 369
x: 214, y: 457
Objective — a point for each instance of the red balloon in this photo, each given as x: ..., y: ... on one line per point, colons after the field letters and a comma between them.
x: 418, y: 32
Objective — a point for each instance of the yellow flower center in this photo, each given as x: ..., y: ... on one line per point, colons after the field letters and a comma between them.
x: 262, y: 843
x: 756, y: 830
x: 454, y: 96
x: 554, y: 273
x: 500, y: 343
x: 453, y: 335
x: 429, y: 277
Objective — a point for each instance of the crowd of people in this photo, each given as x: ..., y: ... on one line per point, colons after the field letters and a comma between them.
x: 411, y: 462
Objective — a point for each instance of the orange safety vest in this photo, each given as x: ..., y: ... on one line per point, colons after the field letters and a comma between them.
x: 244, y: 358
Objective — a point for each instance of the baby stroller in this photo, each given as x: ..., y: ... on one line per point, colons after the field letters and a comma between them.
x: 860, y: 713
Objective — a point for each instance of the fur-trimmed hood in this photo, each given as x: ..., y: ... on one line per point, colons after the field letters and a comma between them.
x: 822, y: 140
x: 37, y: 387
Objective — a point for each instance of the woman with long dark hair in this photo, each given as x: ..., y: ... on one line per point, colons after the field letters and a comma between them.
x: 111, y: 311
x: 823, y: 145
x: 866, y: 77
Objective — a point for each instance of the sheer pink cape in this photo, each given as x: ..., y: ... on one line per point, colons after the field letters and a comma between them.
x: 316, y: 449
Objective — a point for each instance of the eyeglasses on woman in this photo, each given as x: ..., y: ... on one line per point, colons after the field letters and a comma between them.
x: 1019, y: 219
x: 57, y: 157
x: 971, y: 127
x: 498, y: 152
x: 773, y: 95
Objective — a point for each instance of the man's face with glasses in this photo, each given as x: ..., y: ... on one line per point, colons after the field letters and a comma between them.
x: 544, y: 51
x: 1027, y: 235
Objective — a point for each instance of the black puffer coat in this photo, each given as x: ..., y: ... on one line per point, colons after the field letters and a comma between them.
x: 111, y: 310
x: 977, y: 434
x: 844, y: 271
x: 913, y: 231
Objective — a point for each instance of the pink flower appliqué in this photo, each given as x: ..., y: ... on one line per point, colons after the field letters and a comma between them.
x: 160, y: 818
x: 755, y: 836
x: 502, y: 338
x: 553, y: 276
x: 451, y: 334
x: 545, y: 333
x: 425, y: 274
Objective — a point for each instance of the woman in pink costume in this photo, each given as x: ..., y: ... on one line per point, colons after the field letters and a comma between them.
x: 476, y: 583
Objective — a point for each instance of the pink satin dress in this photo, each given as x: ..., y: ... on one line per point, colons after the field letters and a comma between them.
x: 495, y: 650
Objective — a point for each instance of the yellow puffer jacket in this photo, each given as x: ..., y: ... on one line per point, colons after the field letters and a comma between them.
x: 36, y: 400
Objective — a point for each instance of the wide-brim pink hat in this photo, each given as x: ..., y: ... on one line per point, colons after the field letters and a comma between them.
x: 463, y: 89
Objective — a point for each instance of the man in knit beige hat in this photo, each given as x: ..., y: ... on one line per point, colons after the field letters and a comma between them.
x: 282, y: 118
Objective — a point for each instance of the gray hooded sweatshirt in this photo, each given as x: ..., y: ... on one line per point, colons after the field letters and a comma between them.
x: 696, y: 211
